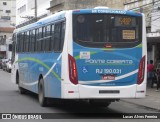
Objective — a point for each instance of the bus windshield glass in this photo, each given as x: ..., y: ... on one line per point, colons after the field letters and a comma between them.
x: 98, y: 29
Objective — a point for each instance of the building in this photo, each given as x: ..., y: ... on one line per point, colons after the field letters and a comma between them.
x: 27, y: 10
x: 7, y: 23
x: 59, y: 5
x: 154, y: 35
x: 5, y: 34
x: 7, y: 13
x: 143, y: 6
x: 151, y: 9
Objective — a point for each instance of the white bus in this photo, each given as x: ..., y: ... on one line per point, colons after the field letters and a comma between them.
x: 97, y: 55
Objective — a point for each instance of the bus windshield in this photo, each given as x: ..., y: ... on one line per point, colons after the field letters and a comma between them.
x: 98, y: 29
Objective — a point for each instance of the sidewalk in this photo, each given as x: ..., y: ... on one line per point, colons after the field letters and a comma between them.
x: 152, y: 100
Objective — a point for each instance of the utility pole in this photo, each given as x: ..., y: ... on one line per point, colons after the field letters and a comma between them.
x: 35, y: 10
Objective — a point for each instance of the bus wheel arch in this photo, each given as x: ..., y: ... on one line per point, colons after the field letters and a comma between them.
x: 20, y: 89
x: 40, y: 77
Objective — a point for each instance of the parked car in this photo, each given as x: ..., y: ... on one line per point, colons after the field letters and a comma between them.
x: 8, y: 66
x: 0, y: 63
x: 4, y: 66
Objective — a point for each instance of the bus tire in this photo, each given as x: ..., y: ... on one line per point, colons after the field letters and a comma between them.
x: 99, y: 103
x: 9, y: 71
x: 41, y: 93
x: 20, y: 89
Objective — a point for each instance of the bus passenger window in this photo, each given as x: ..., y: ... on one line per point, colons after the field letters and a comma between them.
x: 42, y: 39
x: 32, y: 40
x: 48, y: 38
x: 27, y: 42
x: 57, y: 37
x: 62, y: 35
x: 52, y: 38
x: 37, y: 39
x: 22, y: 42
x: 30, y: 44
x: 18, y: 42
x: 40, y: 34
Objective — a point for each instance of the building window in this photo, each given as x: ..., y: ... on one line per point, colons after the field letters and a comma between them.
x: 8, y: 11
x: 21, y: 9
x: 6, y: 17
x: 4, y: 3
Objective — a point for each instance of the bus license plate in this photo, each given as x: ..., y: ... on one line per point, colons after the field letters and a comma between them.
x: 108, y: 77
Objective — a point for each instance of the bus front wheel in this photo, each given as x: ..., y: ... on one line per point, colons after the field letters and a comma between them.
x: 41, y: 93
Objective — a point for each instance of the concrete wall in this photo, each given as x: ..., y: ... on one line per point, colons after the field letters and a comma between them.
x: 11, y: 5
x: 57, y: 5
x: 74, y: 4
x: 155, y: 24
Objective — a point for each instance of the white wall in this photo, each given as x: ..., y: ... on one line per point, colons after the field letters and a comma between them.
x: 19, y: 4
x: 42, y: 5
x: 11, y: 5
x: 155, y: 23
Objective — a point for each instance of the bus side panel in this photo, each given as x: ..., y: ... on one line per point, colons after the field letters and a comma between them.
x: 141, y: 89
x: 45, y: 64
x: 54, y: 79
x: 69, y: 90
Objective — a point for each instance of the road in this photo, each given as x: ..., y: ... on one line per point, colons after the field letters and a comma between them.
x: 13, y: 102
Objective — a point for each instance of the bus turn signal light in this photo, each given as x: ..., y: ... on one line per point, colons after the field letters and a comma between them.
x: 141, y: 71
x: 72, y: 70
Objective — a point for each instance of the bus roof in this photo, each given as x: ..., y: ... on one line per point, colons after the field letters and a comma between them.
x: 61, y: 15
x: 43, y: 21
x: 106, y: 11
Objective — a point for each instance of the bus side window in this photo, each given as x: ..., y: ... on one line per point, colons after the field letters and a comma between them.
x: 30, y: 44
x: 32, y: 40
x: 27, y: 42
x: 52, y: 38
x: 37, y: 39
x: 22, y: 42
x: 43, y: 39
x: 40, y: 35
x: 19, y: 38
x: 17, y: 43
x: 48, y: 38
x: 62, y: 35
x: 57, y: 37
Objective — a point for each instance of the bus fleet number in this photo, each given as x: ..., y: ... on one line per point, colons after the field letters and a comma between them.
x: 112, y: 71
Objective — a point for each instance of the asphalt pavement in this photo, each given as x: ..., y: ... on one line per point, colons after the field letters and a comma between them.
x: 13, y: 102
